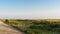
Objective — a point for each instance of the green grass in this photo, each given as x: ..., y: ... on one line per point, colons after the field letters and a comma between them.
x: 36, y: 26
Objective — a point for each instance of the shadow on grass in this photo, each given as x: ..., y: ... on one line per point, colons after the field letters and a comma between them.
x: 19, y: 29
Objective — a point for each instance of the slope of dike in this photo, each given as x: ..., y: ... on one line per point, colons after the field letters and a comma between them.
x: 6, y: 29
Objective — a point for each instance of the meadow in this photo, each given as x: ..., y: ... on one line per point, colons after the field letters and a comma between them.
x: 40, y: 26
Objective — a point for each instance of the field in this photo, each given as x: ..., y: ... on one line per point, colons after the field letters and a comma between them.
x: 42, y: 26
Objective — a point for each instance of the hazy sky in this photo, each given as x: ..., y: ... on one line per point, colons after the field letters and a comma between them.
x: 32, y: 9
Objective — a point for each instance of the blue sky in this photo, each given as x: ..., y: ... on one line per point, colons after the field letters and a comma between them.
x: 30, y: 9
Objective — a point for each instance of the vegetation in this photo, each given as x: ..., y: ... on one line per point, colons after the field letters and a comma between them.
x: 36, y: 26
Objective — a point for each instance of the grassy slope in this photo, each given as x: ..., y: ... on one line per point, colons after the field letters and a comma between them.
x: 36, y: 26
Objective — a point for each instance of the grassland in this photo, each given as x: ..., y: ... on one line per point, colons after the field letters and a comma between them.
x: 43, y: 26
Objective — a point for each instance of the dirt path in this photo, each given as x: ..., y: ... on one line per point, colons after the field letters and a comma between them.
x: 5, y: 29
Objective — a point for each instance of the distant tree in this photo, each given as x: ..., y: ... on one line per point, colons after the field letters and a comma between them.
x: 6, y: 20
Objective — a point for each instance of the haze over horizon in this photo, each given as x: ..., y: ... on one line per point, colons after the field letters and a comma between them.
x: 30, y: 9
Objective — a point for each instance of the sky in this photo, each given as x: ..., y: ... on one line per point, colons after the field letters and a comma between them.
x: 30, y: 9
